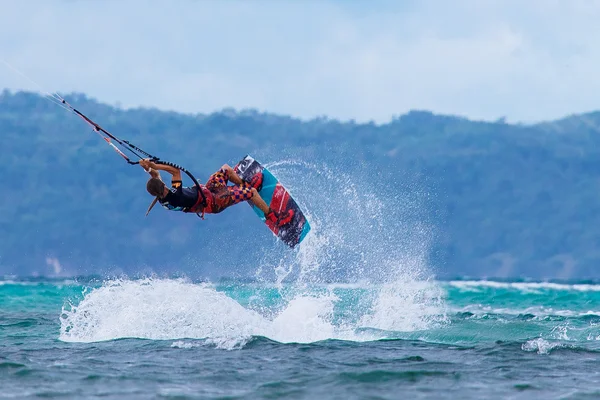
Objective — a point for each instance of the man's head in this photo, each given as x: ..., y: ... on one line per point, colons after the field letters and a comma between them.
x: 155, y: 187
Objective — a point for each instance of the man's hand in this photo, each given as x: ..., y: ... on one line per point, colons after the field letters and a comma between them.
x: 153, y: 168
x: 150, y: 167
x: 146, y: 164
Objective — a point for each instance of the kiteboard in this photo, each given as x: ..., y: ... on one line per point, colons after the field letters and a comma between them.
x: 277, y: 198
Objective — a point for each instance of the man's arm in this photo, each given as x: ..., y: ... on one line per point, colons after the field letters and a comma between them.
x: 154, y: 173
x: 233, y: 176
x: 153, y: 168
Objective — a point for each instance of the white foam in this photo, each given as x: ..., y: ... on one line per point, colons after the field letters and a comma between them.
x: 406, y: 306
x: 373, y: 241
x: 182, y: 344
x: 522, y: 286
x: 539, y: 312
x: 157, y: 309
x: 558, y: 337
x: 560, y: 332
x: 167, y: 309
x: 541, y: 346
x: 307, y: 318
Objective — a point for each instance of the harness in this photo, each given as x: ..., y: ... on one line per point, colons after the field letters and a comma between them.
x: 201, y: 204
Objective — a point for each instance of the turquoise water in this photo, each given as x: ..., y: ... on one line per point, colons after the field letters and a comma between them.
x: 176, y: 338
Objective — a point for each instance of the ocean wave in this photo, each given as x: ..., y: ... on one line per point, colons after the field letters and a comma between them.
x: 166, y: 309
x: 537, y: 312
x: 378, y: 376
x: 477, y: 285
x: 544, y: 346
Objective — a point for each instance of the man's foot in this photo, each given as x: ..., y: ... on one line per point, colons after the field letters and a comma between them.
x: 257, y: 181
x: 280, y: 219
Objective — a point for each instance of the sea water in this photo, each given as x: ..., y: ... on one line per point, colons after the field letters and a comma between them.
x: 355, y: 311
x: 176, y: 338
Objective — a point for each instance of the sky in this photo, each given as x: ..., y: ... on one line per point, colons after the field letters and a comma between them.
x: 526, y: 61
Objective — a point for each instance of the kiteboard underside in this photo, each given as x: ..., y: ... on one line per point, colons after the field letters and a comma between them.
x: 277, y: 198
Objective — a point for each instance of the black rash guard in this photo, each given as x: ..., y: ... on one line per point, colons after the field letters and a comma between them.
x: 179, y: 197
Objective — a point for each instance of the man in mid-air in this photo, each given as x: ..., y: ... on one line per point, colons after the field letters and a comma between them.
x: 211, y: 198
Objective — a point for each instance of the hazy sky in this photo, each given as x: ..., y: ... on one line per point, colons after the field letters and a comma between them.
x: 527, y: 60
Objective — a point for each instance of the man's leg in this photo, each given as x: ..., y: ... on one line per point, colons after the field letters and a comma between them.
x: 233, y: 177
x: 259, y: 202
x: 242, y: 191
x: 256, y: 199
x: 279, y: 219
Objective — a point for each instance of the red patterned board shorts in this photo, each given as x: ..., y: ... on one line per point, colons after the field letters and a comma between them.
x: 225, y: 196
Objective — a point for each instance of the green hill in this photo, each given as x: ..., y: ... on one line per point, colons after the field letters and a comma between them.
x: 502, y: 200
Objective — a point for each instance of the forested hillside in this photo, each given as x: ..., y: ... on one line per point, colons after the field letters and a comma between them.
x: 502, y: 200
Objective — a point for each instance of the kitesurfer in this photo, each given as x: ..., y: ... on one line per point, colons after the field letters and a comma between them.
x: 212, y: 197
